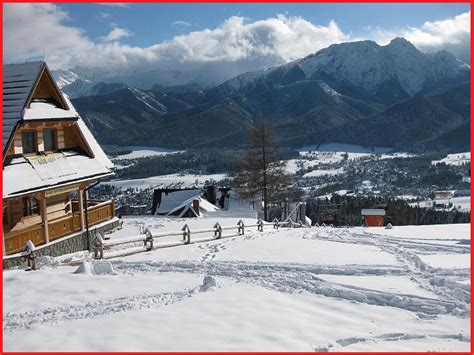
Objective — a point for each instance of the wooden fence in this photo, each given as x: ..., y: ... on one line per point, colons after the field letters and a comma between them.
x: 186, y: 234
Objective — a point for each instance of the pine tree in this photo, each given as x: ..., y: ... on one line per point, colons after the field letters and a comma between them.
x: 260, y: 173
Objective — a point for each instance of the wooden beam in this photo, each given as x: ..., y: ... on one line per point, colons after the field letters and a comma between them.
x: 44, y: 218
x: 80, y: 194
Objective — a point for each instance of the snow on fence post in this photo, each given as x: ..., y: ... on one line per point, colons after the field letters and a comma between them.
x: 29, y: 253
x: 260, y: 225
x: 241, y: 227
x: 290, y: 222
x: 186, y: 234
x: 276, y: 223
x: 98, y: 247
x: 217, y: 230
x: 148, y: 240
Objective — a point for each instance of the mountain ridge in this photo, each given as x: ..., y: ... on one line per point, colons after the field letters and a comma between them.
x: 326, y: 95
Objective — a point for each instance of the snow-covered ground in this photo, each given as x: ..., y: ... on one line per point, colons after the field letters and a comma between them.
x: 342, y: 147
x: 142, y: 152
x: 323, y: 289
x: 455, y: 159
x: 461, y: 203
x: 323, y: 172
x: 177, y: 180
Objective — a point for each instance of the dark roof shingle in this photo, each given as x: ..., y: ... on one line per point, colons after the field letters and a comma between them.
x: 18, y: 82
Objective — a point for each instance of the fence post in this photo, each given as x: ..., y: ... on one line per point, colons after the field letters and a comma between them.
x: 186, y: 234
x: 260, y: 225
x: 217, y: 230
x: 241, y: 227
x: 148, y: 239
x: 276, y: 223
x: 31, y: 260
x: 98, y: 247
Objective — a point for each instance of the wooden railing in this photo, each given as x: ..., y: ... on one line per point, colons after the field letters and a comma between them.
x: 101, y: 212
x: 64, y: 226
x: 15, y: 241
x: 57, y: 228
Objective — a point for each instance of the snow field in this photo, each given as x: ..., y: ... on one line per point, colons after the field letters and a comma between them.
x: 324, y: 289
x: 165, y: 180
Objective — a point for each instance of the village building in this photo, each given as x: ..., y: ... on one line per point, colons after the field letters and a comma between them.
x: 50, y: 159
x: 373, y: 217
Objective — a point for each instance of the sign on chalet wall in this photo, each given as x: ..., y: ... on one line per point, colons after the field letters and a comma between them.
x: 61, y: 190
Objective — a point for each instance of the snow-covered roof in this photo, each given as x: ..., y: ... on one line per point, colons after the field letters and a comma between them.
x: 171, y: 200
x: 373, y: 212
x: 94, y: 146
x: 39, y: 110
x: 18, y: 83
x: 204, y: 205
x: 36, y: 173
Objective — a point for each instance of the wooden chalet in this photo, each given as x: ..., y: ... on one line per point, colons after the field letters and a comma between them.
x: 50, y: 158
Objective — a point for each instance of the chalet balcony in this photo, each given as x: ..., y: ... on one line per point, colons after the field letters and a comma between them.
x: 97, y: 212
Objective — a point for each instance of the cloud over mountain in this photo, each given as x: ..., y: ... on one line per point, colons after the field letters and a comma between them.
x: 237, y: 42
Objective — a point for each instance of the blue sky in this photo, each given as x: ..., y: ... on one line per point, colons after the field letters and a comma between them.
x: 152, y: 23
x: 218, y: 37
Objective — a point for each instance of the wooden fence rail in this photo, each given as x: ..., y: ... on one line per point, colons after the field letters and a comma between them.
x: 99, y: 243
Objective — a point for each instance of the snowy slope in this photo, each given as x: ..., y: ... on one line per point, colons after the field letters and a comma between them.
x: 323, y: 289
x: 456, y: 159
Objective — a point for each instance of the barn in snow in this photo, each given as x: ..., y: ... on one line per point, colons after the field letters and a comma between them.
x: 50, y: 158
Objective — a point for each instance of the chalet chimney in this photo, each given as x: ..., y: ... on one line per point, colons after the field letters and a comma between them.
x: 196, y: 206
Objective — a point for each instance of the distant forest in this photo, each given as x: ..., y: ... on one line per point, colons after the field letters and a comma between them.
x: 345, y: 211
x: 192, y: 161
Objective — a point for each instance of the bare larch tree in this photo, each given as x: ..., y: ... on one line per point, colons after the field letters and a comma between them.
x: 260, y: 174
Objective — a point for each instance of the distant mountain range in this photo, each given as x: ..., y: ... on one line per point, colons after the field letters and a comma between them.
x: 359, y: 93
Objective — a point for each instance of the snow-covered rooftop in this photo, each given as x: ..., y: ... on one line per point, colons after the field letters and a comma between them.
x: 40, y: 110
x: 37, y: 173
x: 172, y: 200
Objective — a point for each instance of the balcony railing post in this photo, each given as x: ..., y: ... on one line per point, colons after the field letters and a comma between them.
x: 44, y: 218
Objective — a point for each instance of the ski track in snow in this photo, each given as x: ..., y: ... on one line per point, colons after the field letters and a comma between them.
x: 454, y: 297
x: 18, y: 321
x: 341, y: 343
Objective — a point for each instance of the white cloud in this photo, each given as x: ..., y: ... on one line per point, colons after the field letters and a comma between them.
x: 115, y: 34
x: 104, y: 15
x: 114, y: 4
x: 236, y: 45
x: 260, y: 43
x: 452, y: 34
x: 180, y: 23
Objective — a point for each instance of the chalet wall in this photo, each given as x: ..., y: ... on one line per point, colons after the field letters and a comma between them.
x: 67, y: 134
x: 67, y: 245
x: 56, y: 207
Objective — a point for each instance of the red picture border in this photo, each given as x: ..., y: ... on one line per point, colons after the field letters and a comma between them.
x: 242, y: 1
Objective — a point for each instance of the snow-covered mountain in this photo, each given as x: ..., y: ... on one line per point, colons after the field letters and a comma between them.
x: 365, y: 65
x: 80, y: 81
x: 65, y: 77
x: 355, y: 93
